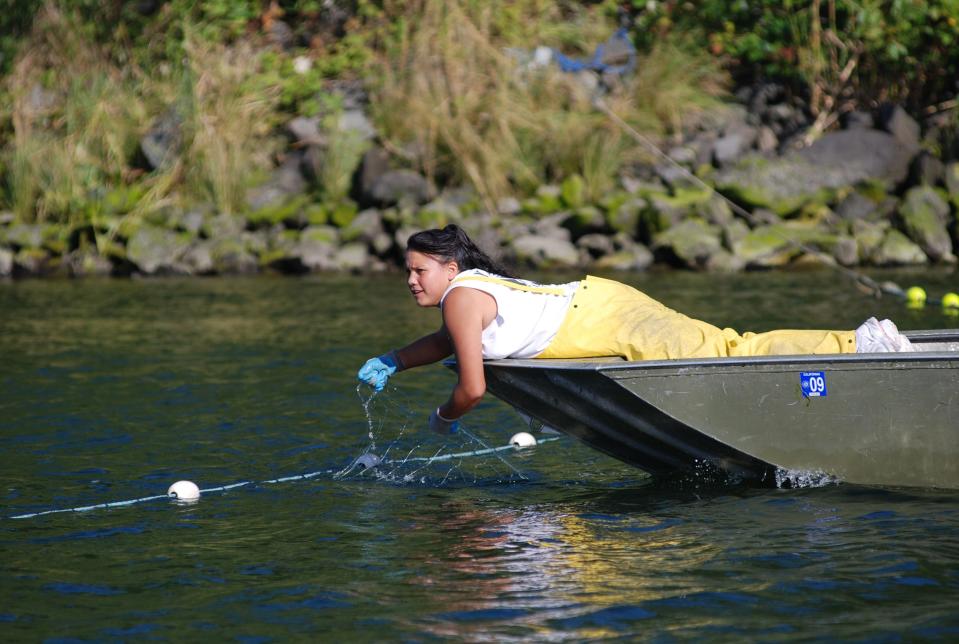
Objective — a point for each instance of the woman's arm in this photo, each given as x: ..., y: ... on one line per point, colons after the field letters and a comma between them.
x: 463, y: 314
x: 427, y: 350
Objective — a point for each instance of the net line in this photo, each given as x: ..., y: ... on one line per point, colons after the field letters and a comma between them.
x: 404, y: 469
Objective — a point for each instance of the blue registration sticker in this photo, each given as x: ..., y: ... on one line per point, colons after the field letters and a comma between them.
x: 813, y: 383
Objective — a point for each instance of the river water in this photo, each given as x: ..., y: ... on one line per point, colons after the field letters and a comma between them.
x: 112, y: 390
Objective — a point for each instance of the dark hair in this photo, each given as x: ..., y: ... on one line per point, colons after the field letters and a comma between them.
x: 452, y: 243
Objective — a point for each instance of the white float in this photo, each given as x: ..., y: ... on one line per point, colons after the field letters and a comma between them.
x: 184, y: 491
x: 522, y: 439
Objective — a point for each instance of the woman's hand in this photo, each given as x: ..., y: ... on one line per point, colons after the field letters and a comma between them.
x: 377, y: 371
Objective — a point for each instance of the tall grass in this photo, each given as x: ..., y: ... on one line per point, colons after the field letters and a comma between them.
x: 448, y: 89
x: 76, y: 121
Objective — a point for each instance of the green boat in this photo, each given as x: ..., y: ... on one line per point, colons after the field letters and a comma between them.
x: 884, y: 419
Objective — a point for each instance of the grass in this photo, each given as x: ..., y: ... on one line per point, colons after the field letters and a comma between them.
x: 450, y: 90
x: 68, y: 151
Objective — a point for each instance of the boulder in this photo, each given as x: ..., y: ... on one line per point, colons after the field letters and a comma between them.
x: 161, y: 145
x: 846, y: 251
x: 635, y: 257
x: 33, y: 262
x: 837, y: 160
x: 545, y: 251
x: 593, y: 246
x: 896, y: 121
x: 924, y: 215
x: 6, y: 263
x: 624, y: 218
x: 928, y: 170
x: 856, y: 206
x: 951, y: 177
x: 355, y: 121
x: 367, y: 226
x: 306, y: 131
x: 199, y: 258
x: 898, y: 250
x: 83, y: 263
x: 723, y: 261
x: 287, y: 181
x: 869, y: 236
x: 689, y: 244
x: 25, y: 236
x: 232, y: 257
x: 774, y: 245
x: 401, y: 187
x: 733, y: 144
x: 352, y: 257
x: 156, y: 250
x: 552, y: 227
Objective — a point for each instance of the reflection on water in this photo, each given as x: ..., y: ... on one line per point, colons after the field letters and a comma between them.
x: 113, y: 390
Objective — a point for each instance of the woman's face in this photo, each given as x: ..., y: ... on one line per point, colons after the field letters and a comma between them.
x: 428, y: 277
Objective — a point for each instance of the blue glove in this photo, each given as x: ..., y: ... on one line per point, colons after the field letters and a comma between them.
x: 443, y: 426
x: 377, y: 371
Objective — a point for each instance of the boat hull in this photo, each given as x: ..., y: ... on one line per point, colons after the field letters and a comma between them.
x: 875, y: 419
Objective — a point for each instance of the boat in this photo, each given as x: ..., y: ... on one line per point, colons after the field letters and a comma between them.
x: 878, y: 419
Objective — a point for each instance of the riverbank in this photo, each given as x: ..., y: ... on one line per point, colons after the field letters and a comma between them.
x: 260, y: 155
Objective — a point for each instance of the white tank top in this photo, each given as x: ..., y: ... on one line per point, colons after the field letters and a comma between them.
x: 528, y: 315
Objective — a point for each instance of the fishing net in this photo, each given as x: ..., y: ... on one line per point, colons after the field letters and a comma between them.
x: 401, y: 449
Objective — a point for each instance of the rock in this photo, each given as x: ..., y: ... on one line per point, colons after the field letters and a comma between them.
x: 595, y: 245
x: 683, y: 155
x: 162, y: 143
x: 635, y: 258
x: 355, y: 120
x: 584, y: 220
x: 280, y: 34
x: 401, y: 187
x: 928, y: 170
x: 766, y: 140
x: 869, y: 237
x: 856, y: 206
x: 32, y: 262
x: 545, y: 251
x: 773, y: 245
x: 951, y: 178
x: 287, y: 181
x: 6, y: 263
x: 837, y: 160
x: 924, y: 215
x: 723, y: 261
x: 375, y: 163
x: 508, y: 206
x: 367, y: 226
x: 675, y: 176
x: 625, y: 217
x: 551, y: 227
x: 895, y: 120
x: 25, y: 236
x: 858, y: 121
x: 315, y: 254
x: 715, y: 210
x: 352, y: 257
x: 403, y: 233
x: 231, y: 257
x: 898, y: 250
x: 734, y: 232
x: 87, y: 264
x: 222, y: 225
x: 733, y: 144
x: 690, y: 243
x: 157, y: 250
x: 846, y: 251
x: 199, y: 258
x: 306, y: 131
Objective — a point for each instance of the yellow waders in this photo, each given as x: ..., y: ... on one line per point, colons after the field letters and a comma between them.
x: 607, y: 318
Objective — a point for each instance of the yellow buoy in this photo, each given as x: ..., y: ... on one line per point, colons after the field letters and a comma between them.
x: 915, y: 297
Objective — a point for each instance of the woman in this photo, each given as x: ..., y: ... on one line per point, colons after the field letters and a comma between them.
x: 488, y: 314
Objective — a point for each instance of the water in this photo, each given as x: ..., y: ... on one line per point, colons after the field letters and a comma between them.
x: 113, y: 390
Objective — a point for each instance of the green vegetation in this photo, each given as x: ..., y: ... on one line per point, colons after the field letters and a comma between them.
x: 451, y: 95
